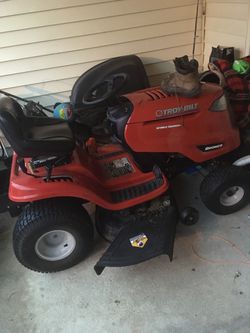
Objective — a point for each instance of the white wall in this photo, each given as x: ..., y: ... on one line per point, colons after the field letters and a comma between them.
x: 227, y: 24
x: 46, y: 44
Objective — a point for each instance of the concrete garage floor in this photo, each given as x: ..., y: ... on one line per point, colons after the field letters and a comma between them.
x: 205, y: 289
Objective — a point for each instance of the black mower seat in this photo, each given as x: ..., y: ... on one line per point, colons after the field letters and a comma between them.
x: 34, y: 136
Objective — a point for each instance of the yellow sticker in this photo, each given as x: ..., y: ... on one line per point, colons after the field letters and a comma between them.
x: 139, y: 240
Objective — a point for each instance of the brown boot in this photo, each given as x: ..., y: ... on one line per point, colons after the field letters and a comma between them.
x: 185, y: 81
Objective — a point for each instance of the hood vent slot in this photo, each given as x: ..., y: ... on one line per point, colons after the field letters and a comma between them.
x: 156, y: 94
x: 59, y: 179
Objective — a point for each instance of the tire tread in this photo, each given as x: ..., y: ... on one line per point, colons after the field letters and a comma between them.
x: 218, y: 177
x: 38, y: 213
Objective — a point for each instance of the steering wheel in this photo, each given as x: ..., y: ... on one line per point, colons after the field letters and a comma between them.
x: 104, y: 90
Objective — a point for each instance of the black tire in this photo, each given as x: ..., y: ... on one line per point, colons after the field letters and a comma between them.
x: 189, y: 216
x: 41, y: 217
x: 226, y: 181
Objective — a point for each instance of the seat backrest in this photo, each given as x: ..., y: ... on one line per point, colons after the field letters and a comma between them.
x: 11, y: 115
x: 130, y: 65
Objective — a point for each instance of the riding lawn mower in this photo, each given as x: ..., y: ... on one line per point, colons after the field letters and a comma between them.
x: 125, y: 167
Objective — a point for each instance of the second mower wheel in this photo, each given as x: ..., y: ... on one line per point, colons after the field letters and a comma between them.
x: 52, y: 235
x: 226, y: 190
x: 189, y: 216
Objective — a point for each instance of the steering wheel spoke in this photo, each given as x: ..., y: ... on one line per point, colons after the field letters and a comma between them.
x: 104, y: 90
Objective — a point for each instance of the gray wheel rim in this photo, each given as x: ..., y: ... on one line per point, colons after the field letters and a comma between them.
x: 232, y: 196
x: 55, y: 245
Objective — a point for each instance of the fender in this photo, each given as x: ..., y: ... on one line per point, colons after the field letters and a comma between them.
x: 108, y: 178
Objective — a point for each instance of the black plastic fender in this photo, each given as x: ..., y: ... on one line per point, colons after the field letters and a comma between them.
x: 146, y: 238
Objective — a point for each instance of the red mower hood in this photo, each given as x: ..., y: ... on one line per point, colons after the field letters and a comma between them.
x: 152, y: 104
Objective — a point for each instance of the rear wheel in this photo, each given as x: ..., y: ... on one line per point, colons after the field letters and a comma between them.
x: 52, y: 235
x: 226, y: 190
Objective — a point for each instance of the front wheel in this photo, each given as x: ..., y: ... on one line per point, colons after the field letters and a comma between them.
x: 226, y: 190
x: 52, y: 235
